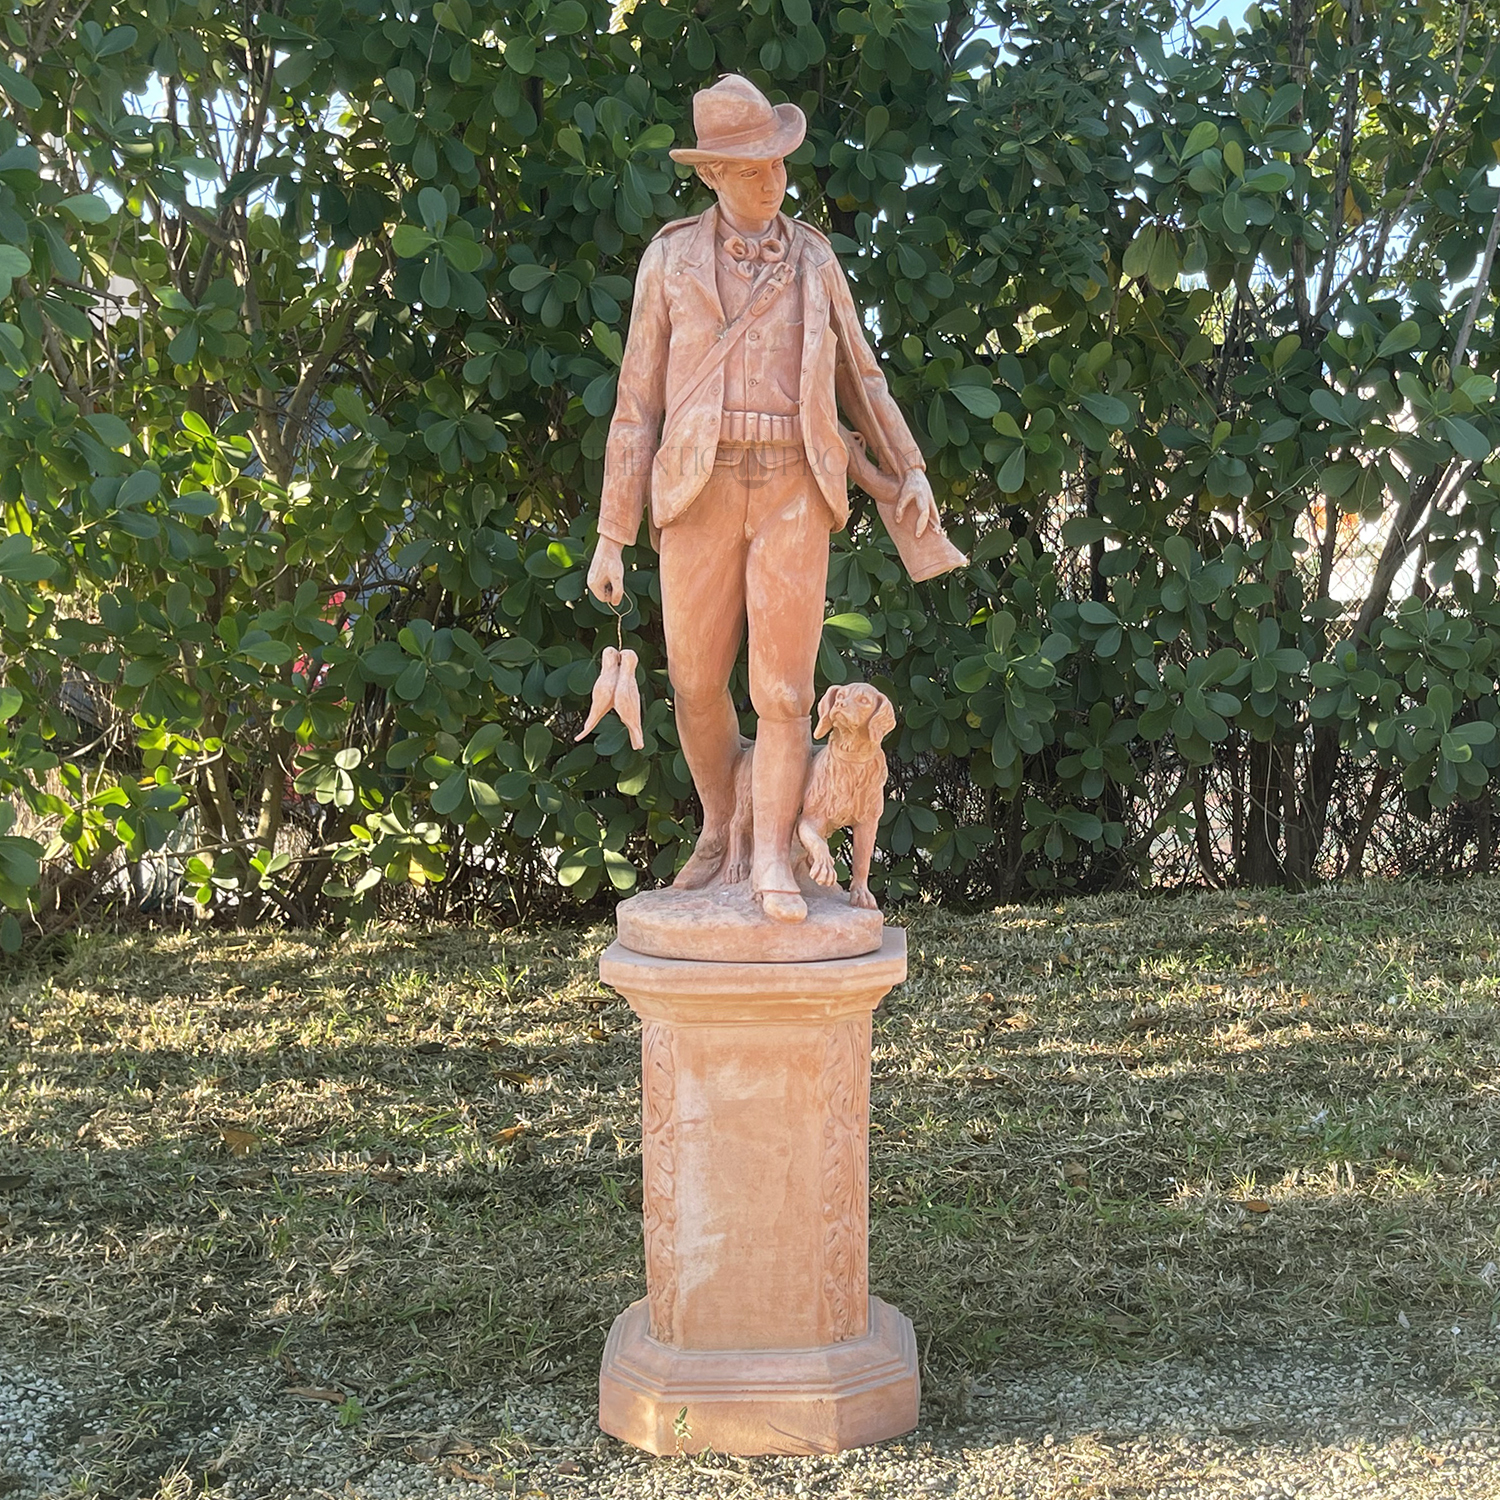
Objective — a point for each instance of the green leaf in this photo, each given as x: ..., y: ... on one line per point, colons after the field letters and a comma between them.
x: 536, y: 745
x: 655, y: 138
x: 412, y: 681
x: 409, y: 241
x: 436, y: 284
x: 194, y: 503
x: 270, y: 652
x: 1337, y: 479
x: 454, y: 15
x: 294, y: 70
x: 120, y: 39
x: 1468, y: 441
x: 20, y: 862
x: 1328, y: 406
x: 86, y: 208
x: 1012, y: 474
x: 1272, y: 178
x: 980, y: 400
x: 622, y: 874
x: 1404, y: 336
x: 20, y: 88
x: 433, y: 207
x: 525, y: 278
x: 1083, y: 531
x: 1477, y: 732
x: 485, y: 741
x: 520, y: 54
x: 1203, y: 135
x: 856, y: 625
x: 971, y: 674
x: 599, y: 394
x: 142, y: 486
x: 184, y: 344
x: 1109, y: 409
x: 1139, y: 253
x: 608, y: 342
x: 1164, y: 265
x: 20, y: 564
x: 463, y: 255
x: 449, y: 797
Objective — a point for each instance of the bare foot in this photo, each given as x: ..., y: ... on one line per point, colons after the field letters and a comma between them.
x: 782, y: 906
x: 704, y: 863
x: 859, y: 895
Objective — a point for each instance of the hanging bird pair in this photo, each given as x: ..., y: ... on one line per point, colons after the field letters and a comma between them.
x: 616, y: 688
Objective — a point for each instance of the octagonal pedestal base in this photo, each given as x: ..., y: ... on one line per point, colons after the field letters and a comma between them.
x: 747, y: 1401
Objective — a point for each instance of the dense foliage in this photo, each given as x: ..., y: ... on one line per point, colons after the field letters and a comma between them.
x: 309, y: 318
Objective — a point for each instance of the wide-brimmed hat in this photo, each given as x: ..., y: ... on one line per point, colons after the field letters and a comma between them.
x: 734, y: 121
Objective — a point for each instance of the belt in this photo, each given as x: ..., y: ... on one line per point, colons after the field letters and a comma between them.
x: 760, y: 427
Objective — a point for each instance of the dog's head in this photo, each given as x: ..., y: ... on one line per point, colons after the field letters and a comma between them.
x: 856, y: 708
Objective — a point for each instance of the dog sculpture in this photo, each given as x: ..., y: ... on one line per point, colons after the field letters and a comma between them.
x: 845, y: 788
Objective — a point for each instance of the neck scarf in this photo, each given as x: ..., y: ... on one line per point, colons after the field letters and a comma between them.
x: 748, y: 255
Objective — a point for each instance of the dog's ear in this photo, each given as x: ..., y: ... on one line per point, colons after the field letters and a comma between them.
x: 882, y: 721
x: 825, y: 707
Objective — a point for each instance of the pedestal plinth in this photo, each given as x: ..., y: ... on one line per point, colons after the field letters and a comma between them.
x: 758, y: 1333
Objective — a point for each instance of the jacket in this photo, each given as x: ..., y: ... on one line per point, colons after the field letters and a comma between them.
x: 675, y: 319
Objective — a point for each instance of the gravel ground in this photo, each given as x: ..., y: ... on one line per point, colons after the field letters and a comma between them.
x: 1311, y: 1421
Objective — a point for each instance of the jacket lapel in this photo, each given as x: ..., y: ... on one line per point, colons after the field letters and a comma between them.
x: 815, y: 312
x: 698, y: 261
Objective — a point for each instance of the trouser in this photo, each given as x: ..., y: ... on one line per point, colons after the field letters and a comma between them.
x: 750, y: 553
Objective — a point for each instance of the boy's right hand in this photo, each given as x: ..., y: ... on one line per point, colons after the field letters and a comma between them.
x: 607, y: 572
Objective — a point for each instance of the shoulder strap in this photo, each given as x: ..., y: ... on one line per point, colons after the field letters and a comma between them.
x: 768, y: 287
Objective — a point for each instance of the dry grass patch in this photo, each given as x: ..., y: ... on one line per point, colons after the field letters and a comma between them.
x: 1121, y: 1127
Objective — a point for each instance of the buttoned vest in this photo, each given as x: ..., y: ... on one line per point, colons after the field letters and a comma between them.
x: 763, y: 372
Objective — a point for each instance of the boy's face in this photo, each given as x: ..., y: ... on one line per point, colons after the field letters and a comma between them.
x: 750, y: 189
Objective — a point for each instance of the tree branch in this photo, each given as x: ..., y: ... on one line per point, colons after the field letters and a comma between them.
x: 1397, y: 545
x: 1350, y: 105
x: 1481, y: 286
x: 57, y: 359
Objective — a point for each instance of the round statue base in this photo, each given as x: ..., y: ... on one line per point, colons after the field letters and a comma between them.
x: 724, y: 924
x: 750, y: 1401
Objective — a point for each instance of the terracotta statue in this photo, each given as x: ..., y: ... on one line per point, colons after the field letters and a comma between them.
x: 744, y: 342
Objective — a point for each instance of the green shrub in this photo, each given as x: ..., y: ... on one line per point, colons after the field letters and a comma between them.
x: 309, y: 336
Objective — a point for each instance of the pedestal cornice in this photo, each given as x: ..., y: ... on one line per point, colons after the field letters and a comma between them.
x: 699, y: 992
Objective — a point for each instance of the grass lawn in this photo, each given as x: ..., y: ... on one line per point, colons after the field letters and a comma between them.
x: 1117, y: 1128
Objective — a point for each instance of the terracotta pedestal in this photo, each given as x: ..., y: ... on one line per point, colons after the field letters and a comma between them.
x: 757, y: 1333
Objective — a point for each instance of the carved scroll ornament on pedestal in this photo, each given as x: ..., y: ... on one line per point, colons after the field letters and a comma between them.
x: 659, y: 1175
x: 845, y: 1093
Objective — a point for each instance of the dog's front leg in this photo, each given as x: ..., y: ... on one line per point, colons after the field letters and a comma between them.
x: 859, y: 870
x: 741, y: 834
x: 819, y: 861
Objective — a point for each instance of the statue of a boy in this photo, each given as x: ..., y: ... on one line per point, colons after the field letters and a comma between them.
x: 743, y: 343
